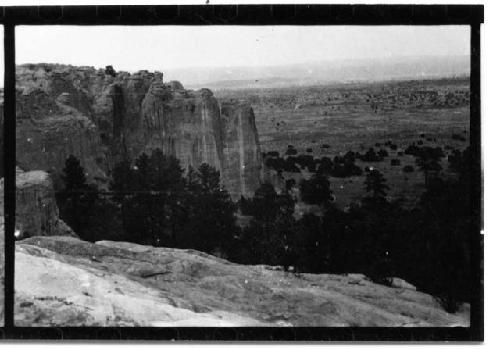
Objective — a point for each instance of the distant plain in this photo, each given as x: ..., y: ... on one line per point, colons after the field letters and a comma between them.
x: 329, y: 120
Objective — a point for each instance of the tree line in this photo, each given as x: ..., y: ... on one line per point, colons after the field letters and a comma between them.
x: 154, y: 201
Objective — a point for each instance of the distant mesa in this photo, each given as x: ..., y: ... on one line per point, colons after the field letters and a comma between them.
x: 103, y: 116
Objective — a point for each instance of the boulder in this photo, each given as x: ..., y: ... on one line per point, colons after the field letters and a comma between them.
x: 400, y: 283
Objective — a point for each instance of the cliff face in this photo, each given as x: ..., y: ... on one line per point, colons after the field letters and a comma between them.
x: 102, y: 117
x: 243, y: 168
x: 36, y: 208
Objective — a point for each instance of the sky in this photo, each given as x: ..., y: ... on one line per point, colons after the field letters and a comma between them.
x: 172, y: 47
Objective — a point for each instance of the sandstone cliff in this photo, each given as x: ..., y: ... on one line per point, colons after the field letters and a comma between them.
x: 36, y: 208
x: 123, y: 284
x: 102, y: 117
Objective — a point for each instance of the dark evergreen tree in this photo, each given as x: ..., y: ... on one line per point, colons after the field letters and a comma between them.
x: 269, y: 238
x: 316, y: 191
x: 150, y: 197
x: 211, y: 222
x: 77, y: 199
x: 375, y: 186
x: 91, y: 216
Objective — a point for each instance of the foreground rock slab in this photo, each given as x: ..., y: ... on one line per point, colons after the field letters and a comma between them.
x: 62, y: 281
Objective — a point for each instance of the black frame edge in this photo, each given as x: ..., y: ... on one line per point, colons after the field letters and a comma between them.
x: 9, y: 135
x: 245, y: 14
x: 241, y: 15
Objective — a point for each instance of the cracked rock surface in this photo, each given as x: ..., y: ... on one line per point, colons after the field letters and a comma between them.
x: 63, y: 281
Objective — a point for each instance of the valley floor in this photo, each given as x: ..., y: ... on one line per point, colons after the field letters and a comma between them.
x: 62, y: 281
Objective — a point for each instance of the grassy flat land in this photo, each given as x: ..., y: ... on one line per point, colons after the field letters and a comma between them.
x: 358, y: 116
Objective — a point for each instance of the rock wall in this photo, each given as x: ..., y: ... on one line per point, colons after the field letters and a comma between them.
x: 36, y: 208
x: 243, y: 166
x: 103, y: 117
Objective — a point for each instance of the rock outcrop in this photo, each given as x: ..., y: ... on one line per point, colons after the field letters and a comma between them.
x: 243, y: 166
x: 102, y: 117
x: 36, y: 208
x: 123, y: 284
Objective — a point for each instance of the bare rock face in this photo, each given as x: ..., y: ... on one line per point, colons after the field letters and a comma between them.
x: 53, y: 123
x: 187, y: 126
x: 243, y: 166
x: 36, y: 208
x: 124, y: 284
x: 103, y: 117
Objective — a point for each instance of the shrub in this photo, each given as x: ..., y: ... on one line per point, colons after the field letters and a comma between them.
x: 110, y: 71
x: 458, y: 137
x: 408, y: 169
x: 382, y: 153
x: 315, y: 191
x: 370, y: 156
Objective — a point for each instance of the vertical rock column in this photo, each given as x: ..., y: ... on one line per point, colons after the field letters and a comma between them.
x: 243, y: 160
x: 36, y: 209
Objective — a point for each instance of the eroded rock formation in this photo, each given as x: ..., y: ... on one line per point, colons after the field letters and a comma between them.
x: 242, y: 169
x: 36, y: 208
x: 102, y: 117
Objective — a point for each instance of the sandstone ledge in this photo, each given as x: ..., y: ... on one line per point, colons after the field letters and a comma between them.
x: 62, y: 281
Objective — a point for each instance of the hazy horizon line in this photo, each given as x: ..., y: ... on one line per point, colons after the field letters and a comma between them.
x: 161, y: 69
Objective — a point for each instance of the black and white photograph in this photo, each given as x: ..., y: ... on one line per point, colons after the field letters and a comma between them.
x: 243, y: 176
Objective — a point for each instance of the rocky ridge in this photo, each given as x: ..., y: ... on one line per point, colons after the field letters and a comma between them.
x: 123, y: 284
x: 102, y: 116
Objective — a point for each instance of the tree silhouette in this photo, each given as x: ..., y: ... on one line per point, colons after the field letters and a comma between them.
x: 73, y: 175
x: 375, y: 185
x: 77, y: 199
x: 211, y: 224
x: 149, y: 195
x: 430, y: 166
x: 427, y: 160
x: 316, y: 191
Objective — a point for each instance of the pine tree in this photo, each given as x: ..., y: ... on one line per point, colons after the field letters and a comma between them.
x: 375, y: 185
x: 150, y: 195
x: 212, y: 224
x: 77, y: 200
x: 430, y: 167
x: 316, y: 191
x: 73, y: 175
